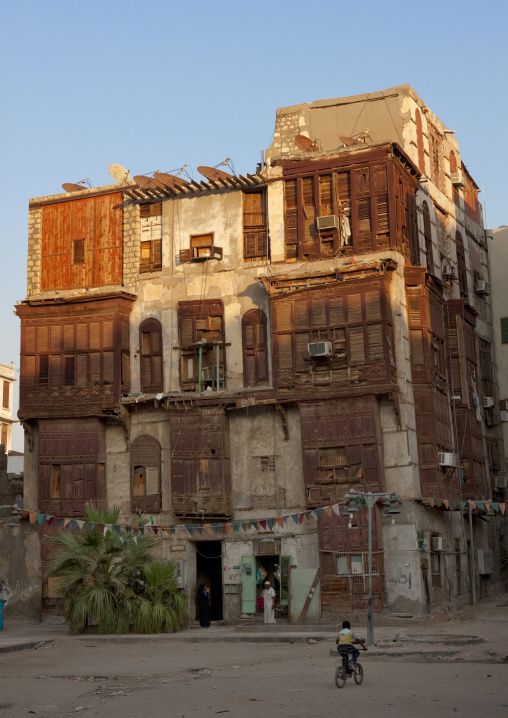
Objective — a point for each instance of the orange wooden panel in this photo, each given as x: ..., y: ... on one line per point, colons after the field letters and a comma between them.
x: 97, y: 220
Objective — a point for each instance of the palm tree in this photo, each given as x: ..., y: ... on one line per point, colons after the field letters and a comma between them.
x: 161, y: 605
x: 104, y: 578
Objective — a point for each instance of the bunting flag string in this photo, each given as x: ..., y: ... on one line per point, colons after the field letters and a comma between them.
x: 232, y: 527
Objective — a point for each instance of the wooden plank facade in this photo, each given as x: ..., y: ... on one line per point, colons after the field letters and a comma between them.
x: 303, y: 308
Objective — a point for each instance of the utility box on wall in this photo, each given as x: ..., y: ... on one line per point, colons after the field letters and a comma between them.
x: 485, y: 561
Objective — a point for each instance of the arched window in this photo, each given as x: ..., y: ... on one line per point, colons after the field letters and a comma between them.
x: 255, y: 356
x: 428, y: 238
x: 150, y: 349
x: 461, y: 265
x: 146, y: 475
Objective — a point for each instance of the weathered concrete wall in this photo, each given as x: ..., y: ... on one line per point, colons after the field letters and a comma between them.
x: 20, y: 569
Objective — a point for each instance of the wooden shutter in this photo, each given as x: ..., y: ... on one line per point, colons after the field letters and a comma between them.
x: 354, y: 308
x: 255, y: 369
x: 69, y: 371
x: 284, y: 349
x: 504, y: 330
x: 326, y: 195
x: 375, y: 334
x: 28, y: 334
x: 55, y: 370
x: 254, y: 224
x: 291, y: 218
x: 150, y: 344
x: 43, y: 370
x: 356, y: 345
x: 6, y: 395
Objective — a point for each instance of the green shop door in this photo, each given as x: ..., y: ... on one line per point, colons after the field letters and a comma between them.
x: 285, y: 563
x: 248, y: 584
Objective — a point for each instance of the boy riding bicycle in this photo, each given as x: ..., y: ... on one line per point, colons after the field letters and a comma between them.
x: 346, y: 640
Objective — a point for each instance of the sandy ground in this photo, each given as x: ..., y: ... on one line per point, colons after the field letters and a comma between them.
x: 113, y: 678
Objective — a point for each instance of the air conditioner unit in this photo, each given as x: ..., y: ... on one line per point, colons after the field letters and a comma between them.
x: 328, y: 221
x: 437, y: 543
x: 320, y: 349
x: 449, y: 270
x: 458, y: 179
x: 488, y: 402
x: 481, y: 287
x: 504, y: 416
x: 500, y: 483
x: 447, y: 460
x: 492, y: 418
x: 268, y: 547
x: 485, y: 561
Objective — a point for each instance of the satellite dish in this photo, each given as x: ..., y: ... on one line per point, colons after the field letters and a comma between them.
x: 70, y: 187
x: 305, y: 144
x: 170, y: 180
x: 146, y: 182
x: 119, y: 173
x: 350, y: 141
x: 213, y: 174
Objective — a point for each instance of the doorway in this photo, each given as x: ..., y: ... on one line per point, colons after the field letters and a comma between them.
x: 209, y: 571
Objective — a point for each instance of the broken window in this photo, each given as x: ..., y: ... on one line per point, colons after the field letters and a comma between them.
x: 145, y: 475
x: 150, y: 351
x: 254, y: 225
x: 255, y: 356
x: 202, y: 344
x: 337, y: 213
x: 151, y: 237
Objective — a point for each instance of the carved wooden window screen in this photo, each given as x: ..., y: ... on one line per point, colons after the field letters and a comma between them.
x: 358, y: 198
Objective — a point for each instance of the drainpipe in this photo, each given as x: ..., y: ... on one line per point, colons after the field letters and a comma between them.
x: 217, y: 385
x: 200, y: 367
x: 473, y: 575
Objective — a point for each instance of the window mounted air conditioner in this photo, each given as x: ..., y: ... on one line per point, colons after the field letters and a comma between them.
x: 320, y: 349
x: 504, y: 416
x: 481, y: 287
x: 488, y: 402
x: 458, y: 179
x: 501, y: 483
x: 447, y: 460
x: 449, y: 270
x: 328, y: 221
x: 438, y: 543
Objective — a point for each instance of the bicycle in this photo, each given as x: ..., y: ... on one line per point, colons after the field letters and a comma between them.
x: 344, y: 671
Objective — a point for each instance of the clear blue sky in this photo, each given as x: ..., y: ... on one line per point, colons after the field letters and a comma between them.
x: 155, y: 85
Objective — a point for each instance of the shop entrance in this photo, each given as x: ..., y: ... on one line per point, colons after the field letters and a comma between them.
x: 209, y: 571
x: 258, y: 569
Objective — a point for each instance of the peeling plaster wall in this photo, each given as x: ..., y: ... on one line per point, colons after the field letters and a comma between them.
x: 20, y: 570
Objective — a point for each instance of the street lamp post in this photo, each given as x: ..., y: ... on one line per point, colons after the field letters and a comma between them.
x: 369, y: 499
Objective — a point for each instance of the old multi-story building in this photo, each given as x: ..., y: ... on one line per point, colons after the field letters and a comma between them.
x: 7, y: 380
x: 230, y: 356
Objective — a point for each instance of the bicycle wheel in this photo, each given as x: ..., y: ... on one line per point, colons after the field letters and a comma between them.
x: 358, y: 674
x: 340, y: 676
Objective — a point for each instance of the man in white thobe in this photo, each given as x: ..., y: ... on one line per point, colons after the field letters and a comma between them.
x: 269, y: 598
